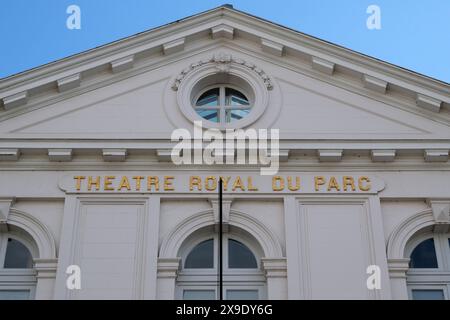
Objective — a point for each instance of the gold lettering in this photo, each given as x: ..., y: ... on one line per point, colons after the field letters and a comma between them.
x: 318, y: 181
x: 195, y: 181
x: 297, y: 183
x: 348, y: 181
x: 250, y: 186
x: 362, y: 186
x: 214, y: 183
x: 152, y: 181
x: 138, y: 182
x: 277, y: 183
x: 225, y: 182
x: 96, y: 183
x: 238, y: 184
x: 333, y: 184
x: 124, y: 183
x: 107, y: 183
x: 79, y: 178
x: 168, y: 180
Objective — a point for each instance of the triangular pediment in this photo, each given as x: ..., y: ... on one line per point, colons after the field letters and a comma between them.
x: 320, y: 91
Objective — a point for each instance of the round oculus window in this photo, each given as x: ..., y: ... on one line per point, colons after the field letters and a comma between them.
x: 223, y: 95
x: 222, y: 104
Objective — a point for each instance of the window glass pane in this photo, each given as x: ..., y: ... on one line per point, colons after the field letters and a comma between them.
x: 209, y: 98
x: 17, y: 255
x: 239, y: 256
x: 234, y: 115
x: 235, y: 98
x: 199, y: 295
x: 424, y: 255
x: 211, y: 115
x: 428, y: 295
x: 202, y: 256
x: 242, y: 294
x: 14, y: 294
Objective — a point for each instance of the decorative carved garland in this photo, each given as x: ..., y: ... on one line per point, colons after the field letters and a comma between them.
x: 222, y: 63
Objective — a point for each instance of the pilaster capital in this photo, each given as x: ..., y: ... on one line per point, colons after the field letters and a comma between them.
x: 168, y: 267
x: 274, y: 267
x: 5, y: 206
x: 398, y: 267
x: 46, y: 268
x: 441, y: 214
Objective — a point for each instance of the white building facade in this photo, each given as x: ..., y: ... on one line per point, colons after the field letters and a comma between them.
x: 86, y: 176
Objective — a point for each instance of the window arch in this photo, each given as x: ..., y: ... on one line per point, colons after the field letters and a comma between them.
x: 198, y: 277
x: 429, y: 275
x: 17, y: 274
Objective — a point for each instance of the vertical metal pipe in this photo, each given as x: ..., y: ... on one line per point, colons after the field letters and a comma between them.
x: 220, y: 243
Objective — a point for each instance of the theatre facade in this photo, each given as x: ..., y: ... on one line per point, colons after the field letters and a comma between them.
x: 92, y: 205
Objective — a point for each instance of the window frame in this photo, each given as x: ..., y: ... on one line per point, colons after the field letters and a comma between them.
x: 234, y: 278
x: 17, y: 278
x: 443, y: 259
x: 192, y: 244
x: 443, y: 287
x: 19, y: 284
x: 260, y: 288
x: 430, y: 278
x: 222, y: 108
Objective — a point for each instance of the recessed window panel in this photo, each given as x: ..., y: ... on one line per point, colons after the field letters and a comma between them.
x: 239, y: 256
x: 427, y: 294
x: 202, y: 256
x: 14, y: 294
x: 17, y: 255
x: 242, y: 294
x: 199, y: 295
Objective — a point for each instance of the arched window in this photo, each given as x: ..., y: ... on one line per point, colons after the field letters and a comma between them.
x: 17, y: 276
x: 429, y: 275
x: 202, y: 256
x: 222, y: 104
x: 239, y: 256
x: 198, y: 278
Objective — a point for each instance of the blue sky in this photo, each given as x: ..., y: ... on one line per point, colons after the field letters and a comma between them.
x: 415, y: 34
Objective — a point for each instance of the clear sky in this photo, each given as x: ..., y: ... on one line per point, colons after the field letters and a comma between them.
x: 414, y: 34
